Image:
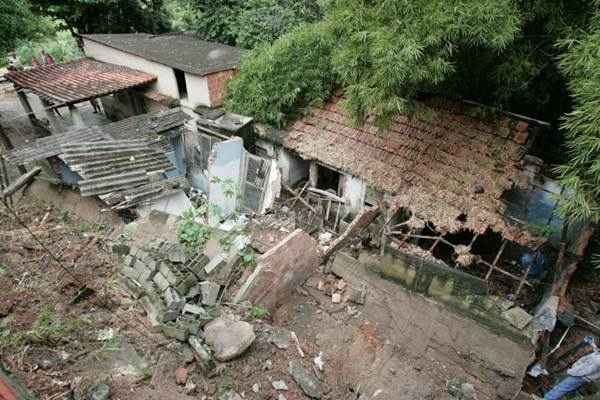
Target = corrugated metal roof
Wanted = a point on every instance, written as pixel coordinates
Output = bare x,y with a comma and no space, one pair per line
151,125
78,80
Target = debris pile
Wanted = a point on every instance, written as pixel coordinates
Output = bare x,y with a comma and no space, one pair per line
180,294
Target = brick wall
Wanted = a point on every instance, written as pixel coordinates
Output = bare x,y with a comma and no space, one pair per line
217,86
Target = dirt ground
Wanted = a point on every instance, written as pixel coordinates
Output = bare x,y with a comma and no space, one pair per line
52,314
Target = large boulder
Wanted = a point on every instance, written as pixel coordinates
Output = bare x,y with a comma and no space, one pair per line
228,338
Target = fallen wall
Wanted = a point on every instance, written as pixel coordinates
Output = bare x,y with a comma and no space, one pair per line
280,270
414,312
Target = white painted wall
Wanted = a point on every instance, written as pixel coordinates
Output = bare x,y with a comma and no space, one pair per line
197,86
354,191
293,168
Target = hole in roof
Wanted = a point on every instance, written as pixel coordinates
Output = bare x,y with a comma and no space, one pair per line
462,218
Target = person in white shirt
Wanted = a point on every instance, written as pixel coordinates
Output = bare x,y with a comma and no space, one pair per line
585,370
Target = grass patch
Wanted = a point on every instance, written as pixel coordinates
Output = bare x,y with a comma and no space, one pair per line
48,329
257,312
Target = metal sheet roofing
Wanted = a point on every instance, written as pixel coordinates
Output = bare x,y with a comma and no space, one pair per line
442,168
183,51
150,126
78,80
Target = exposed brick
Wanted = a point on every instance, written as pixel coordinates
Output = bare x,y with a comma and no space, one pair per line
217,86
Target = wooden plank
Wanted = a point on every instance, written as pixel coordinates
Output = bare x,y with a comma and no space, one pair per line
20,182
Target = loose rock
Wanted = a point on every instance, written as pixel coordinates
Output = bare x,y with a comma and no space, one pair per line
99,392
181,376
228,338
310,386
231,395
279,385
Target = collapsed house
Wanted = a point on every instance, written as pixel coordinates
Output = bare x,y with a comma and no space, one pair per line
444,201
447,178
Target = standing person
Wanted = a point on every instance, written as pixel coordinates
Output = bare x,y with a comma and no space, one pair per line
585,370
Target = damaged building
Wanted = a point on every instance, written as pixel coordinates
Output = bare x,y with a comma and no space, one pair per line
445,203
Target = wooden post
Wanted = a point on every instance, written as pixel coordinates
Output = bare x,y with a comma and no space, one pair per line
493,265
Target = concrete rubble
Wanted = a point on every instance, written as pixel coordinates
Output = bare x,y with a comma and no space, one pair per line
180,297
280,270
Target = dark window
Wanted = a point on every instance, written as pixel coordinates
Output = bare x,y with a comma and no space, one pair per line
328,179
181,86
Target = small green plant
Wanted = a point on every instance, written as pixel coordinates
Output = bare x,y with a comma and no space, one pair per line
191,234
49,328
248,257
85,227
257,312
3,269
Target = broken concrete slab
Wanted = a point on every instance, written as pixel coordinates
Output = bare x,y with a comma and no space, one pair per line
280,270
210,293
228,338
309,385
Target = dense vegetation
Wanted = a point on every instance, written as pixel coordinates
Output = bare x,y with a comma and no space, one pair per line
535,57
243,23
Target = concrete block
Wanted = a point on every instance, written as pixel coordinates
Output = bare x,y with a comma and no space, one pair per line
198,313
280,270
131,287
161,282
173,301
197,267
215,263
154,308
186,283
210,293
517,317
167,271
129,272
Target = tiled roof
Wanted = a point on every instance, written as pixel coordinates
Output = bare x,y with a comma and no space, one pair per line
183,51
148,125
447,164
78,80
